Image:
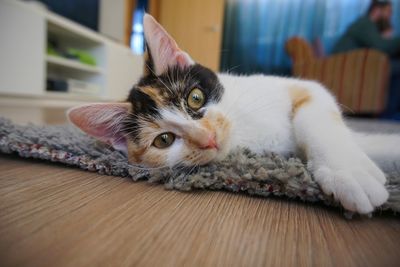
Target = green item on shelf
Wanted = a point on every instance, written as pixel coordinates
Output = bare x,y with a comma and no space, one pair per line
82,56
51,51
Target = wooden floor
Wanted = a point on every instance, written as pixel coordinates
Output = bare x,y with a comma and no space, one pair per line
53,215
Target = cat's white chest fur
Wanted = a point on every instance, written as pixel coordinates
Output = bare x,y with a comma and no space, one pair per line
259,110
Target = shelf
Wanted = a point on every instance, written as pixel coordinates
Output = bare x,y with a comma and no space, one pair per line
72,64
48,99
62,26
72,96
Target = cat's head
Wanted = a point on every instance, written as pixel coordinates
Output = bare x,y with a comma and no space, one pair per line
171,116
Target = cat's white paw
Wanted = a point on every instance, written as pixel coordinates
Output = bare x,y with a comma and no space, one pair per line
358,185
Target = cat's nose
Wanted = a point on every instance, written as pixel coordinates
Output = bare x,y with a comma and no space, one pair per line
211,143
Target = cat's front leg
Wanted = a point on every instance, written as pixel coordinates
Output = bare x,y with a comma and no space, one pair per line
339,165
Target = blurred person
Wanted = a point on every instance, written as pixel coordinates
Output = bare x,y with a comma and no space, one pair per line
374,30
385,28
365,32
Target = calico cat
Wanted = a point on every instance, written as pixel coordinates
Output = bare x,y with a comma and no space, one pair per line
182,113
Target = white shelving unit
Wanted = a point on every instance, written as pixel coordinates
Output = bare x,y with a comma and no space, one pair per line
27,28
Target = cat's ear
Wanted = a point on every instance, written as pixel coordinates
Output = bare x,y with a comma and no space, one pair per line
104,121
164,52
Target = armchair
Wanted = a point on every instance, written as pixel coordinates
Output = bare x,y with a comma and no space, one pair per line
359,79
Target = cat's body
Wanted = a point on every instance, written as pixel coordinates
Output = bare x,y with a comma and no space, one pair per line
181,113
260,110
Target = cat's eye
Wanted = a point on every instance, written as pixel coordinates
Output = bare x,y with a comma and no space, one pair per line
164,140
196,99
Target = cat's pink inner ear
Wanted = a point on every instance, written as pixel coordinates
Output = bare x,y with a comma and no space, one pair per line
103,121
163,48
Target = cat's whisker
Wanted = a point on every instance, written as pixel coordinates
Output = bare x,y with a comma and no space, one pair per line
175,171
158,78
147,168
230,69
186,75
190,172
347,108
169,79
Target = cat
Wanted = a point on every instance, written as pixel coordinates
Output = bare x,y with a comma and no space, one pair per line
182,113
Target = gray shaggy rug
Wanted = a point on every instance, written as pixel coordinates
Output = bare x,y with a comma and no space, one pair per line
242,171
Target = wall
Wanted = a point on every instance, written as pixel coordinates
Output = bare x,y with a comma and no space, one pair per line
112,19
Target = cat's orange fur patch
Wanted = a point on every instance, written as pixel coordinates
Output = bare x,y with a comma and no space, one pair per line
196,140
225,125
206,123
221,121
155,159
139,155
217,124
214,124
191,157
135,154
299,97
198,136
154,94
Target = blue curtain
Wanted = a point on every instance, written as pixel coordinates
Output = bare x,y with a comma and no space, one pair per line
255,31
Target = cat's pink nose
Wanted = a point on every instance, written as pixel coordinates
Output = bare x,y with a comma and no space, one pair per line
211,144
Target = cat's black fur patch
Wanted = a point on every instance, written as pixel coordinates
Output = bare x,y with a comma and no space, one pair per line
142,103
144,107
